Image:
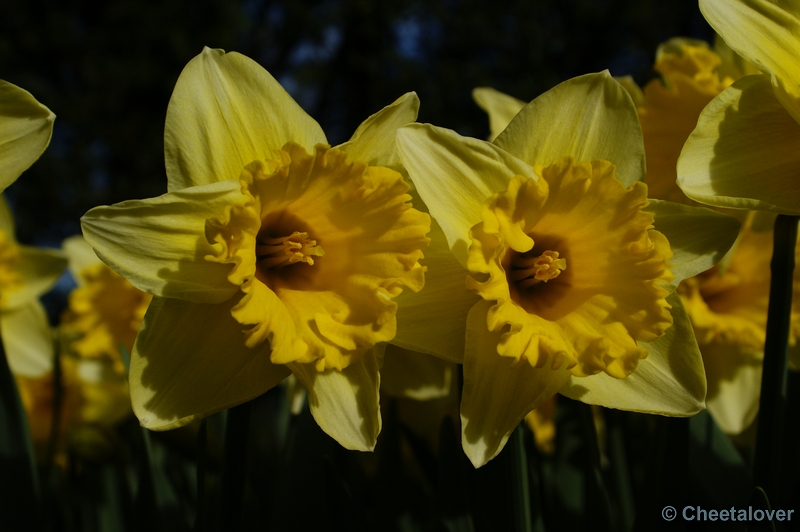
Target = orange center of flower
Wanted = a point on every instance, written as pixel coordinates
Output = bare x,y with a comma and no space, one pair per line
527,271
283,251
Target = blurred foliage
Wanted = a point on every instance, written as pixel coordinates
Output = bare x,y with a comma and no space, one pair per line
107,70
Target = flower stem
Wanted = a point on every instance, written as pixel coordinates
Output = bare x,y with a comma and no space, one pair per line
768,455
520,485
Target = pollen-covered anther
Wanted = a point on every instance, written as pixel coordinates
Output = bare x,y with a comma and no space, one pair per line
528,271
287,250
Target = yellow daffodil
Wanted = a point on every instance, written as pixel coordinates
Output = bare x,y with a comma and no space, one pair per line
105,310
745,150
25,130
271,253
25,274
93,397
569,269
728,310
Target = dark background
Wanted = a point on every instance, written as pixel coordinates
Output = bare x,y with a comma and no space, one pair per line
108,72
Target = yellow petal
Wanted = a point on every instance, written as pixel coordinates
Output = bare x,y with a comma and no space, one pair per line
587,118
767,34
39,270
227,111
500,107
633,89
178,375
27,340
25,130
418,376
498,391
698,237
745,151
433,320
345,403
80,256
159,244
454,175
373,142
6,218
670,381
734,385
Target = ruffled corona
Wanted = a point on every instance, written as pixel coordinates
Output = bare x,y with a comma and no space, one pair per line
669,111
319,250
728,307
104,313
574,267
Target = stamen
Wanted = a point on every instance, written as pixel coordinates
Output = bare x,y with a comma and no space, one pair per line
530,271
287,250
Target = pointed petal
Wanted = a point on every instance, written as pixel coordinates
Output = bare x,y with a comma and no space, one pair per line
25,130
27,340
498,391
345,403
39,270
698,237
745,151
80,256
190,361
159,244
434,319
454,175
415,375
500,107
767,33
670,381
227,111
734,385
587,118
373,142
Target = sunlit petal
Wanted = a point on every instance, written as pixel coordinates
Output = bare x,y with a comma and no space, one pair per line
227,111
25,130
745,151
498,391
500,107
670,381
587,118
373,142
159,244
345,403
454,175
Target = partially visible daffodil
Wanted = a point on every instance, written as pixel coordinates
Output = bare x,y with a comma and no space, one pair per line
105,311
93,396
745,150
25,130
26,273
569,269
728,309
271,253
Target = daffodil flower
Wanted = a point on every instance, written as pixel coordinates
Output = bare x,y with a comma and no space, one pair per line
105,311
26,273
271,253
728,310
569,269
25,130
745,151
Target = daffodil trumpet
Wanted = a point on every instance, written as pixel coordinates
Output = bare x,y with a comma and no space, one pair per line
569,268
272,253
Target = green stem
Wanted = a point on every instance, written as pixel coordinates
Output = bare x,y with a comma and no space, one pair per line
768,456
519,476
